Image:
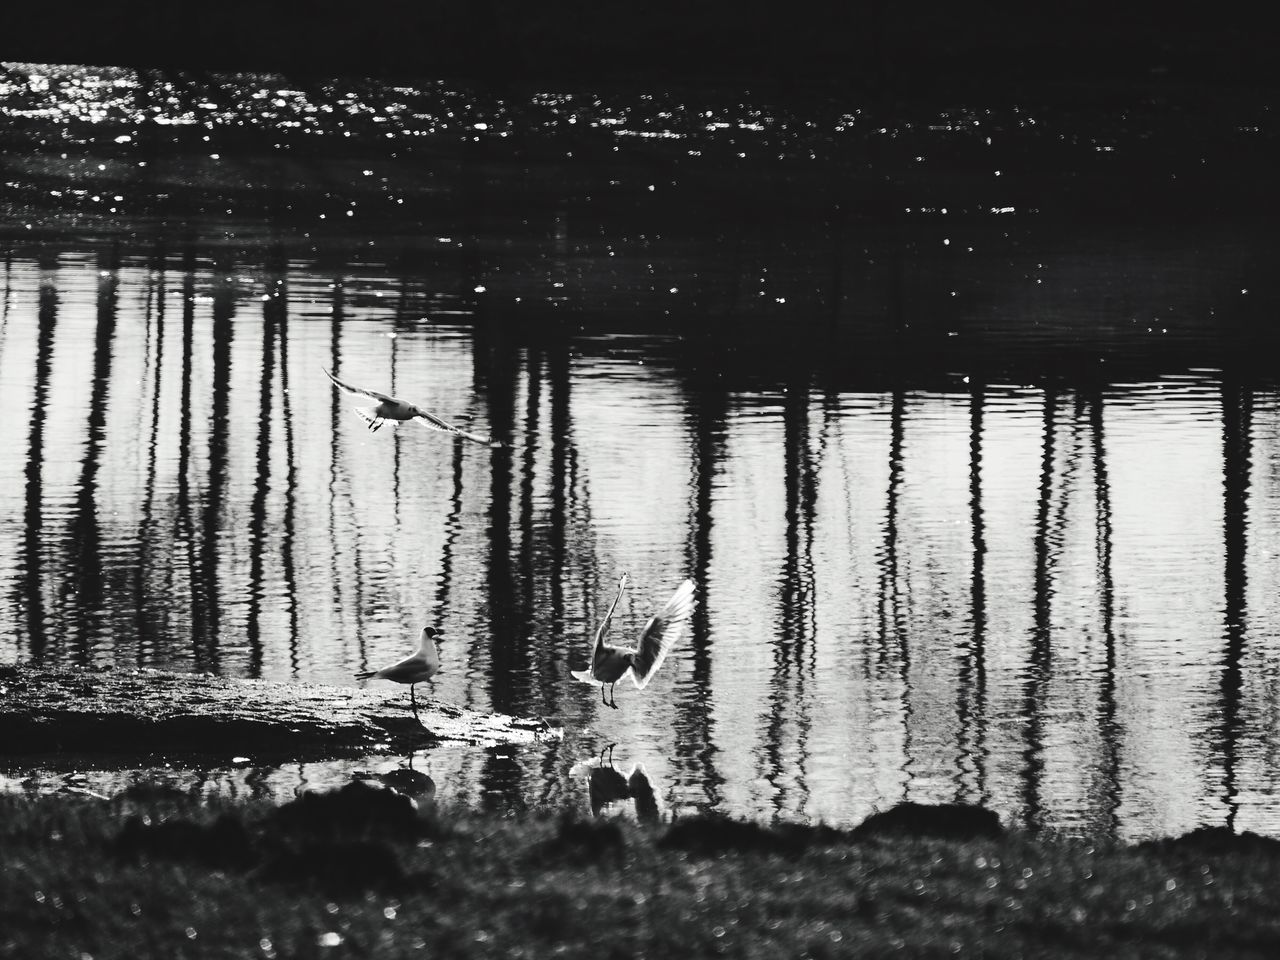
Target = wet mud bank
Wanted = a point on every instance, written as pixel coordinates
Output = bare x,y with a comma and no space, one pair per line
44,710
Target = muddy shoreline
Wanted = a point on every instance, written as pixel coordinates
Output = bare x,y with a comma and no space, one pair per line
46,709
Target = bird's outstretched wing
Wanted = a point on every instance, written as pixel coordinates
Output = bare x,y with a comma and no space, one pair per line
588,675
608,617
432,422
359,391
661,633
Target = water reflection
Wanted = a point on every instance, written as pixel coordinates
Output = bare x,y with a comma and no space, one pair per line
1051,599
611,791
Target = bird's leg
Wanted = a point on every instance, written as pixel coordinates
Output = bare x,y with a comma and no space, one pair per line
413,702
603,699
612,702
375,424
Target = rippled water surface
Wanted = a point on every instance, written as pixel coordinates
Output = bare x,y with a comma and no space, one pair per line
980,508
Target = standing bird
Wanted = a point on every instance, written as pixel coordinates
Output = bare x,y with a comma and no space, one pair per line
609,663
390,408
422,664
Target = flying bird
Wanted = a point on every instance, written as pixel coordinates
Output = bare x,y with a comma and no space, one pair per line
609,663
391,408
421,665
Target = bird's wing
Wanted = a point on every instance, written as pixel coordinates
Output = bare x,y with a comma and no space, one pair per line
661,633
436,423
589,675
608,618
410,665
374,394
370,416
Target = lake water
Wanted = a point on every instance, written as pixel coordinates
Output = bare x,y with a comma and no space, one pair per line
981,496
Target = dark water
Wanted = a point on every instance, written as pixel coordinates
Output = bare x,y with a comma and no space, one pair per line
981,500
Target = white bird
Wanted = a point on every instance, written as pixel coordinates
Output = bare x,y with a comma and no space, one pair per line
421,665
609,663
391,408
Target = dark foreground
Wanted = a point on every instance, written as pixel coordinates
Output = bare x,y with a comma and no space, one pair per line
369,871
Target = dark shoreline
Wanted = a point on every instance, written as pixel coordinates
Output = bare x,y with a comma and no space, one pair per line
90,711
366,870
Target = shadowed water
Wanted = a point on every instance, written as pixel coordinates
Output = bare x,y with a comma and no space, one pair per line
976,513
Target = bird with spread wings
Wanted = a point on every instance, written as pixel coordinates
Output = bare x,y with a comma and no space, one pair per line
609,663
396,410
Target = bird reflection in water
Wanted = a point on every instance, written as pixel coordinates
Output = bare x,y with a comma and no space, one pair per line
608,790
404,779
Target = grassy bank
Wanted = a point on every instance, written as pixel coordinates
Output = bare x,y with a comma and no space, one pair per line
365,872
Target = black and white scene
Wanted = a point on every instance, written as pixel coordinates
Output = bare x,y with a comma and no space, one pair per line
668,480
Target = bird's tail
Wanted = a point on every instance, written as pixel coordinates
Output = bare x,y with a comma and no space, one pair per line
364,674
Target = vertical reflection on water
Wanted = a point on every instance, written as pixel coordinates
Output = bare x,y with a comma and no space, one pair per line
210,619
31,597
289,520
496,370
788,698
562,466
563,461
153,373
186,532
1067,562
452,530
1040,661
1237,441
397,450
272,305
1110,729
85,528
695,750
339,485
893,650
542,651
972,681
528,463
497,373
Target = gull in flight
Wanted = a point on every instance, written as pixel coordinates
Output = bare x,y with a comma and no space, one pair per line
391,408
422,664
609,663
